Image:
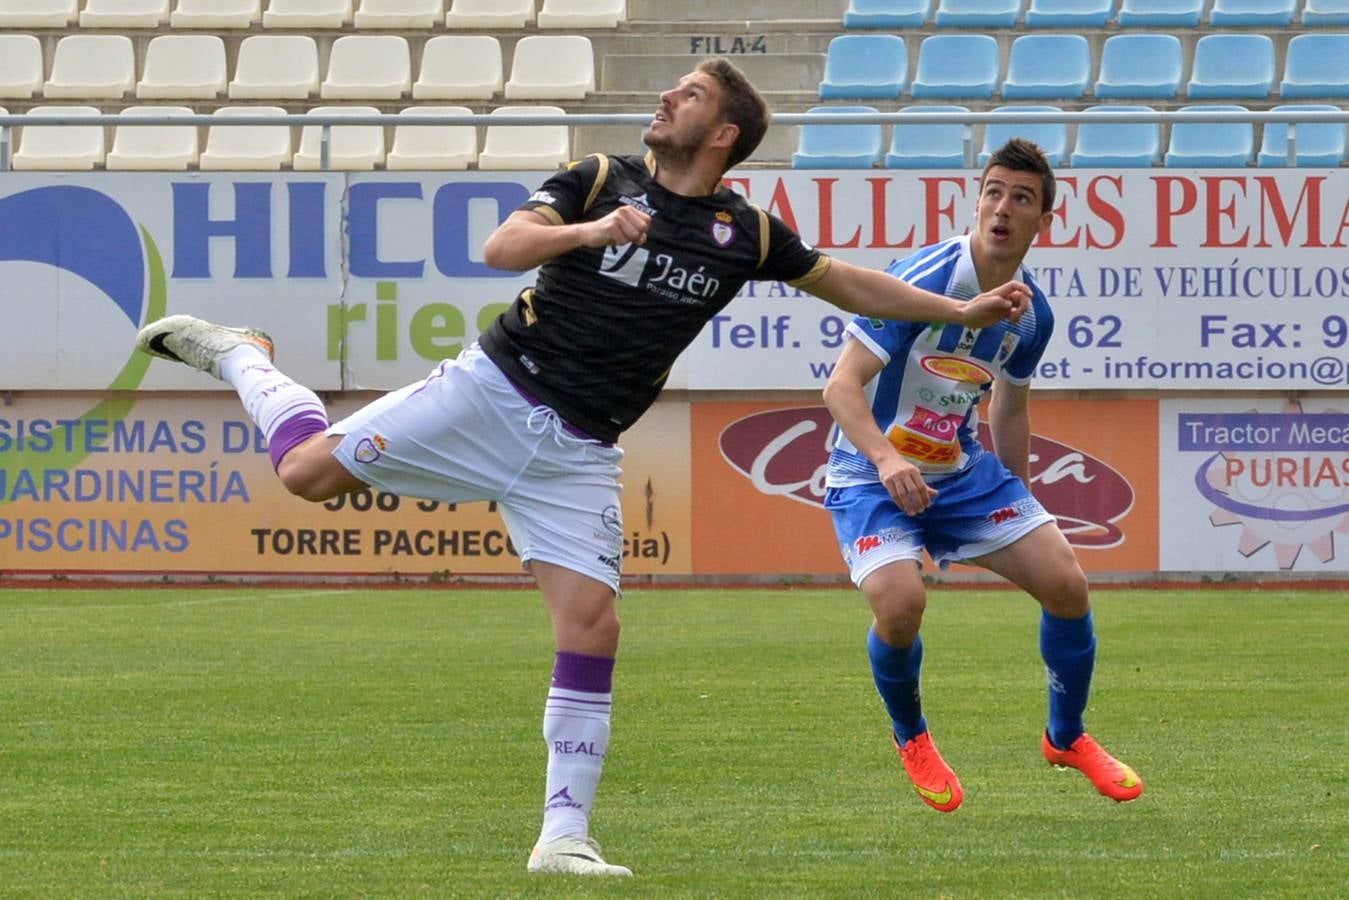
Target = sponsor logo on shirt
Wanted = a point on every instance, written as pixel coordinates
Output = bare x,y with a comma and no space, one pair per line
957,369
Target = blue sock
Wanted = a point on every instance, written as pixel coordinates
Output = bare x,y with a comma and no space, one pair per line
1068,647
896,673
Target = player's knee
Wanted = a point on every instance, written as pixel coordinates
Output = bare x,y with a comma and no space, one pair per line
1067,595
304,481
898,618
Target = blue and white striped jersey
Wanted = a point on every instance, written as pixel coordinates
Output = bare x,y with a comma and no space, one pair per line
926,399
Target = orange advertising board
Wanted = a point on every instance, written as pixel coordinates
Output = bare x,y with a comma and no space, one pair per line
759,485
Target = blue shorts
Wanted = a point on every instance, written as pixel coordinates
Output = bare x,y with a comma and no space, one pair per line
982,509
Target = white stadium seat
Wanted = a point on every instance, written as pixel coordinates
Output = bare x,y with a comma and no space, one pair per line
433,146
307,14
247,147
459,67
552,67
20,65
69,147
183,66
489,13
160,147
525,146
583,13
350,147
276,67
216,14
92,65
38,13
400,13
368,66
124,13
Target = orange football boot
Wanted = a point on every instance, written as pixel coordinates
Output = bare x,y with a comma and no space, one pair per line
1111,777
932,778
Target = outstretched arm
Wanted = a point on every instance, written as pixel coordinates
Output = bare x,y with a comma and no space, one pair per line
1009,426
845,395
869,292
528,239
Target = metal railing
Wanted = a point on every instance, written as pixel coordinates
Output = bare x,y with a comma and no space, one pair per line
326,121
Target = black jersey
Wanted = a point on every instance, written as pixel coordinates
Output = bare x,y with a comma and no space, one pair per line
597,334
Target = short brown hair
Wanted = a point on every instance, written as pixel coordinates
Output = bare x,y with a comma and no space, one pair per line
741,105
1021,155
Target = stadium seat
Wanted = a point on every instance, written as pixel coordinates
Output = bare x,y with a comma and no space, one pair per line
525,146
1325,12
1314,143
183,66
977,13
216,14
276,66
368,67
489,14
38,13
351,148
1043,66
1232,65
829,146
887,13
865,66
92,65
1104,145
307,14
1159,13
57,147
1052,137
552,67
124,13
927,146
1252,13
1316,65
1140,65
158,147
433,146
1211,144
1069,13
582,13
956,66
459,67
20,65
247,147
400,13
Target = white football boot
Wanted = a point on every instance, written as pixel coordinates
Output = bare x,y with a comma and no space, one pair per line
198,343
571,855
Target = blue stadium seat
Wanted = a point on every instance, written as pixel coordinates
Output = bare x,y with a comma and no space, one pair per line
1044,66
1314,143
865,65
1232,65
1252,13
1316,65
826,146
1069,13
1211,144
957,66
887,13
1140,65
1325,12
927,146
1102,145
1051,136
1159,13
977,13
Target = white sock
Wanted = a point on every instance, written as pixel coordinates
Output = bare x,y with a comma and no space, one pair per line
576,727
287,412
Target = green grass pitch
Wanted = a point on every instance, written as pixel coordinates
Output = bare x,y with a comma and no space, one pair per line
244,741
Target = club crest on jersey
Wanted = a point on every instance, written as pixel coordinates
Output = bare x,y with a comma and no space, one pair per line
723,232
640,202
369,449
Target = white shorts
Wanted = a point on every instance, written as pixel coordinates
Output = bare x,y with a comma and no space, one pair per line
466,433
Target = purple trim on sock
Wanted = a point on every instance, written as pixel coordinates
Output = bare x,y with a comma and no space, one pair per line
294,431
578,672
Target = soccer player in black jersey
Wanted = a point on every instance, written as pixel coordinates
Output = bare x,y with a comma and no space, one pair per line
635,255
